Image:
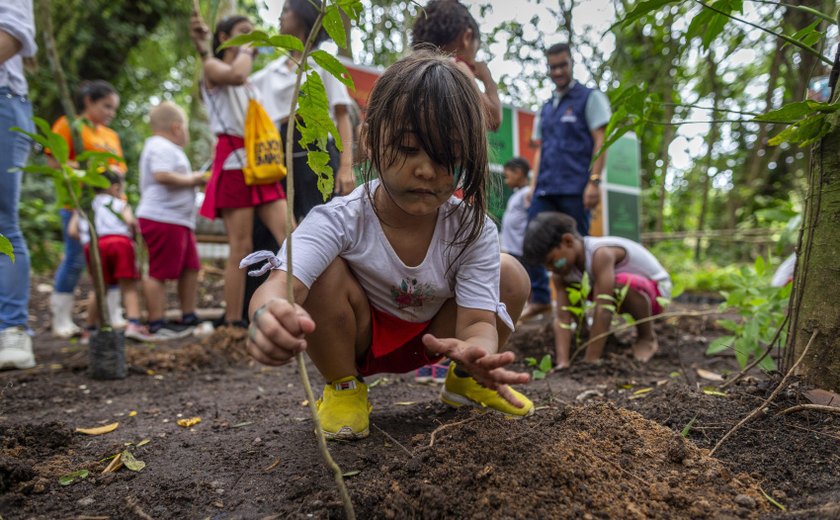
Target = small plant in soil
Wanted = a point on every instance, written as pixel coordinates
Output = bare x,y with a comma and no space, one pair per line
761,309
541,368
581,305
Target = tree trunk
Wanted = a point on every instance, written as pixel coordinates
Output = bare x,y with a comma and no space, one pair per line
666,162
711,140
814,301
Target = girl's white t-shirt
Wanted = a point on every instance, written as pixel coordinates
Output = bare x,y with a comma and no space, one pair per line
107,217
637,260
348,227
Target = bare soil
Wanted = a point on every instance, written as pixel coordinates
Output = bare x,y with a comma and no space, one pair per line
619,440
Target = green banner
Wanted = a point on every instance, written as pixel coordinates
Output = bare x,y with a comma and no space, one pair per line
623,215
623,162
501,141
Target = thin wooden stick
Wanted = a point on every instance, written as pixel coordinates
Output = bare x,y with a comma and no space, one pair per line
814,407
395,441
447,425
759,359
767,401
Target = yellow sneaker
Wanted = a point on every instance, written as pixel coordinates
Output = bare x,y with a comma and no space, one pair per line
344,410
460,391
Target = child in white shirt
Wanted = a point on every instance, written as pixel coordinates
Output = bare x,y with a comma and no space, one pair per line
552,240
166,215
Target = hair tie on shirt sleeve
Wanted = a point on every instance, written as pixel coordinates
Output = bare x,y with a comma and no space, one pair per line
272,262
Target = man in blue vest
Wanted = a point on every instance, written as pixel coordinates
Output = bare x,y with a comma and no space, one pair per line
569,130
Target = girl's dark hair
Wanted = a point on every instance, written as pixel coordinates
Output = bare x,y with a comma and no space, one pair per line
426,95
307,13
518,163
440,23
544,233
225,26
93,90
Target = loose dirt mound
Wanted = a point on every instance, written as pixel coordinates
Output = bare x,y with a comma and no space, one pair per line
596,461
225,347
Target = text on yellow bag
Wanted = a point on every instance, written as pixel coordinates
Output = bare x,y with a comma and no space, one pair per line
263,147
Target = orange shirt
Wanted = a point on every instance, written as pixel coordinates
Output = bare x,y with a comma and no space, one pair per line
99,139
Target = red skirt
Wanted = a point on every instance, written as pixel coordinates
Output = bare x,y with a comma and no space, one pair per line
227,188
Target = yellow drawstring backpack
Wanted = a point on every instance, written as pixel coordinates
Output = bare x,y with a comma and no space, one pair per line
263,147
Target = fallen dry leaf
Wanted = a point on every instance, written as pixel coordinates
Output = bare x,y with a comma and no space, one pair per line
405,403
709,375
272,466
100,430
823,397
187,423
116,463
132,413
710,390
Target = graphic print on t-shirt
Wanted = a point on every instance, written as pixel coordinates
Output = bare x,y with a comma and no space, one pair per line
410,293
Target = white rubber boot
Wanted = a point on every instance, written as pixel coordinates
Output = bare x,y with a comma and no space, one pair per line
62,319
115,310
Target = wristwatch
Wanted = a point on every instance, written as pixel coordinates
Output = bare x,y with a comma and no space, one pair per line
595,179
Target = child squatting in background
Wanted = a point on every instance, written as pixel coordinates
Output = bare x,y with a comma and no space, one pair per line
115,225
399,273
552,240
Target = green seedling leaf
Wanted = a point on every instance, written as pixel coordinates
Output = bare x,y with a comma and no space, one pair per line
710,390
254,37
335,26
628,318
131,463
532,362
772,501
687,429
66,480
674,374
6,247
663,302
286,42
351,473
545,363
330,64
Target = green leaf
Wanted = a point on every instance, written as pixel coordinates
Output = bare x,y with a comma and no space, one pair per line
66,480
538,374
687,429
532,362
719,345
335,26
790,112
808,35
319,162
760,266
131,463
585,288
545,363
330,64
286,42
643,9
730,325
352,8
96,180
314,110
6,247
254,37
772,501
628,318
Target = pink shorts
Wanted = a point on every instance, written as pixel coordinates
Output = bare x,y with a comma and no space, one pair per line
227,189
118,261
642,285
172,249
396,347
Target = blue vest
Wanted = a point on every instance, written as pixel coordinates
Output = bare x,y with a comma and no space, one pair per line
566,145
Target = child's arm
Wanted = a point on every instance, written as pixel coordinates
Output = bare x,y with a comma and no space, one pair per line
490,97
128,218
73,226
278,326
345,180
475,349
218,72
179,179
603,274
562,322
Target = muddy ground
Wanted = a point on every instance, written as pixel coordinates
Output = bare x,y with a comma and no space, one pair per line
606,441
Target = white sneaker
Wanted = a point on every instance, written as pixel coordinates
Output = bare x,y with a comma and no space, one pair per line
16,349
62,320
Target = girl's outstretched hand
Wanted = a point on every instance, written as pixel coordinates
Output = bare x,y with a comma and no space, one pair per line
487,369
277,331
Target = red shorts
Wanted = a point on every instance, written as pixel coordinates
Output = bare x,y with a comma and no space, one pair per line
642,285
118,261
227,189
172,249
396,347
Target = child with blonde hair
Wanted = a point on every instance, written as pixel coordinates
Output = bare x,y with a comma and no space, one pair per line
166,215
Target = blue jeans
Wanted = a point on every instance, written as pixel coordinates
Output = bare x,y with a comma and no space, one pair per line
73,263
571,205
14,150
